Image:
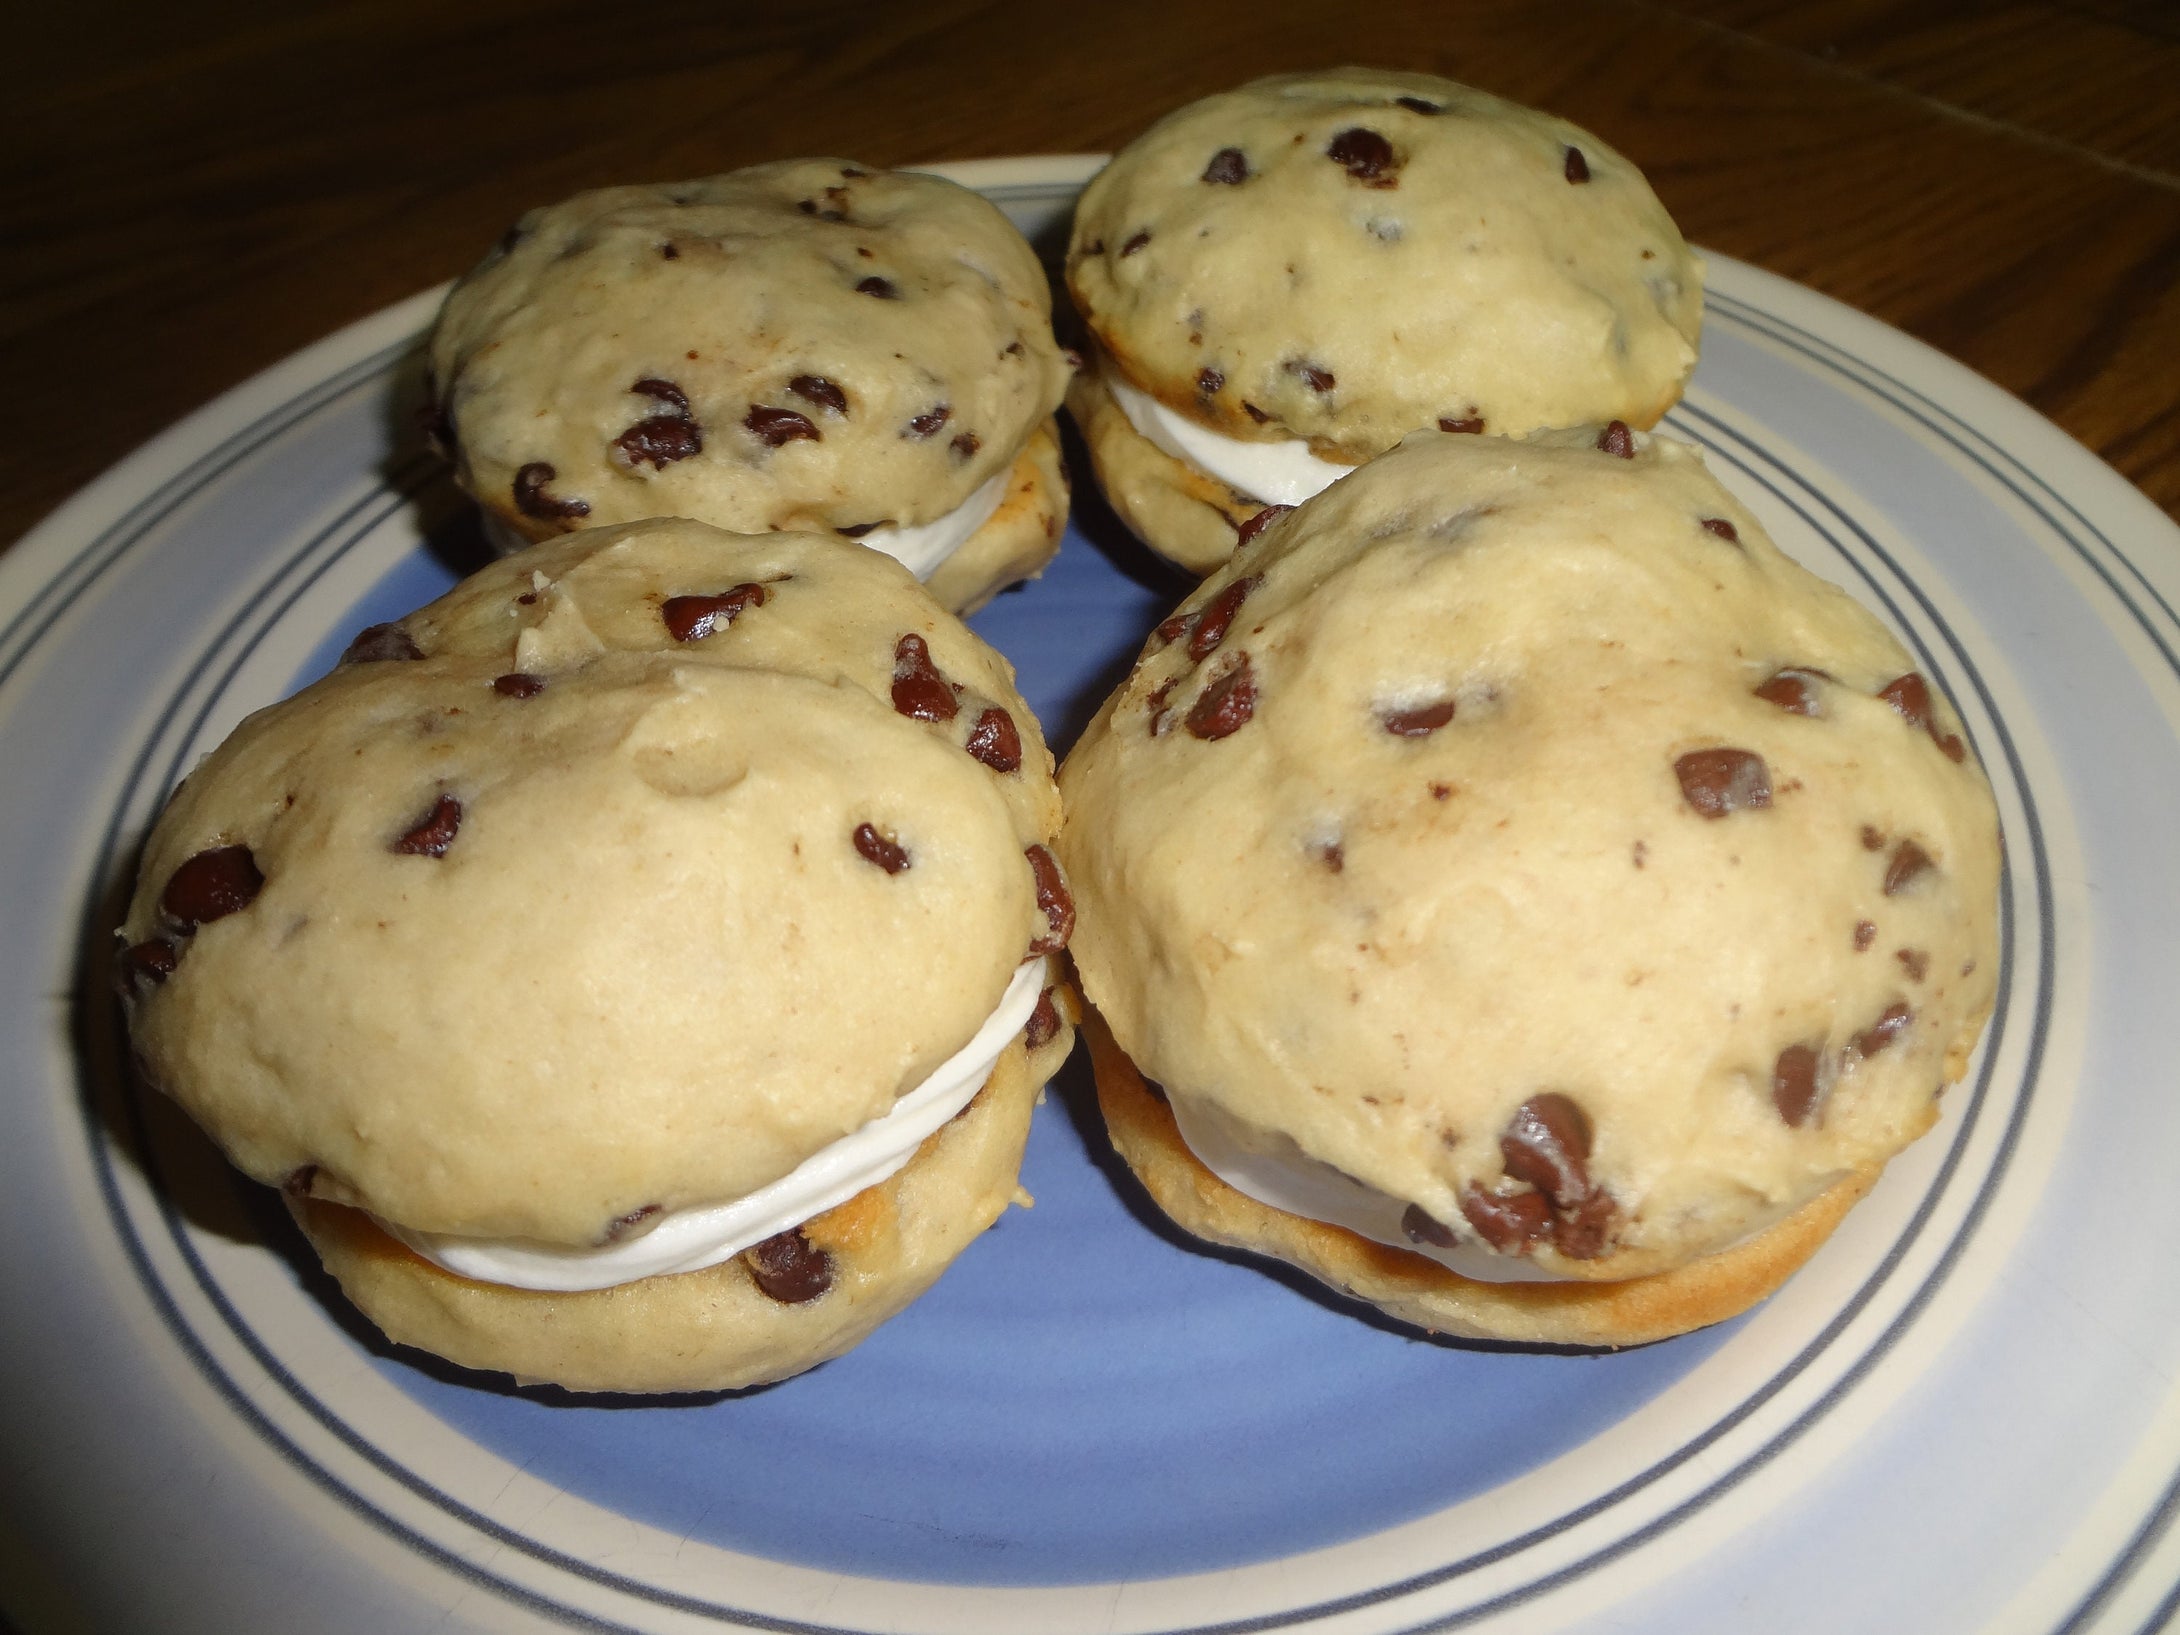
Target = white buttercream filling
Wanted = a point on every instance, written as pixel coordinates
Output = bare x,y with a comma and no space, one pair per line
1282,473
922,547
1271,1169
688,1240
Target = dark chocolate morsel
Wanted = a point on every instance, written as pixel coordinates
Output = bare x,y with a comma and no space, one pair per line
1043,1023
1210,382
1416,105
142,966
1718,781
1883,1031
1511,1223
1422,1227
1320,379
664,391
1226,705
1908,861
1721,527
929,421
1576,168
622,1226
1616,439
211,885
789,1268
1865,934
1258,523
1054,900
820,391
918,688
378,643
692,618
1792,690
1794,1084
1217,615
1136,242
775,427
1461,423
1584,1231
661,439
1547,1144
518,684
434,832
965,444
1228,166
1419,722
1365,155
876,848
996,741
883,289
531,499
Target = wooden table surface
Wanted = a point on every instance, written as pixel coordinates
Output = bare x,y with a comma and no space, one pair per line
196,191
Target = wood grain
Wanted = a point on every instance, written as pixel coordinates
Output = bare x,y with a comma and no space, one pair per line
193,192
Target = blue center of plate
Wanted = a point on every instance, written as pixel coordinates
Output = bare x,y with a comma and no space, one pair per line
1087,1395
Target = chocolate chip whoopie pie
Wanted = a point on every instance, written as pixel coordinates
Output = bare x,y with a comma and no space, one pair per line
1286,279
632,966
1516,893
811,344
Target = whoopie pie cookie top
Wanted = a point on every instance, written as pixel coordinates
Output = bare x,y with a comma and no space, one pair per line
634,870
1516,830
1346,257
808,344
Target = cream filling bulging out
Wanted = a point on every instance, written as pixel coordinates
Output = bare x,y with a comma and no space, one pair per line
923,546
688,1240
1282,473
1273,1170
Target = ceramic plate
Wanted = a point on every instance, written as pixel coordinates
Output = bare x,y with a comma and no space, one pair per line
1963,1415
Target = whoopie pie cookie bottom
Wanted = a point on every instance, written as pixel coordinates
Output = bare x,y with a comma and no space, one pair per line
1185,515
759,1316
1418,1290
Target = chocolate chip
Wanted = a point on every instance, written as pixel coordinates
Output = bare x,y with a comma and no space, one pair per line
1258,523
1584,1231
532,500
666,392
996,741
380,643
1547,1144
1618,440
1210,382
434,832
298,1182
669,252
1794,1084
692,618
1043,1023
827,212
1054,900
919,690
1883,1031
1332,854
1792,690
1212,622
1914,962
1365,155
965,444
622,1225
213,884
1416,105
817,389
1420,1227
1136,242
1908,861
788,1268
661,439
774,427
1465,423
1577,168
1320,380
1419,722
1872,839
883,289
1155,704
1910,695
518,684
1255,413
1865,934
1225,706
142,966
1511,1223
929,421
876,848
1718,781
1228,167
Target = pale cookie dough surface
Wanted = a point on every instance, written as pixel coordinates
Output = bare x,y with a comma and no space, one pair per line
718,1328
802,345
1407,819
554,916
1315,256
